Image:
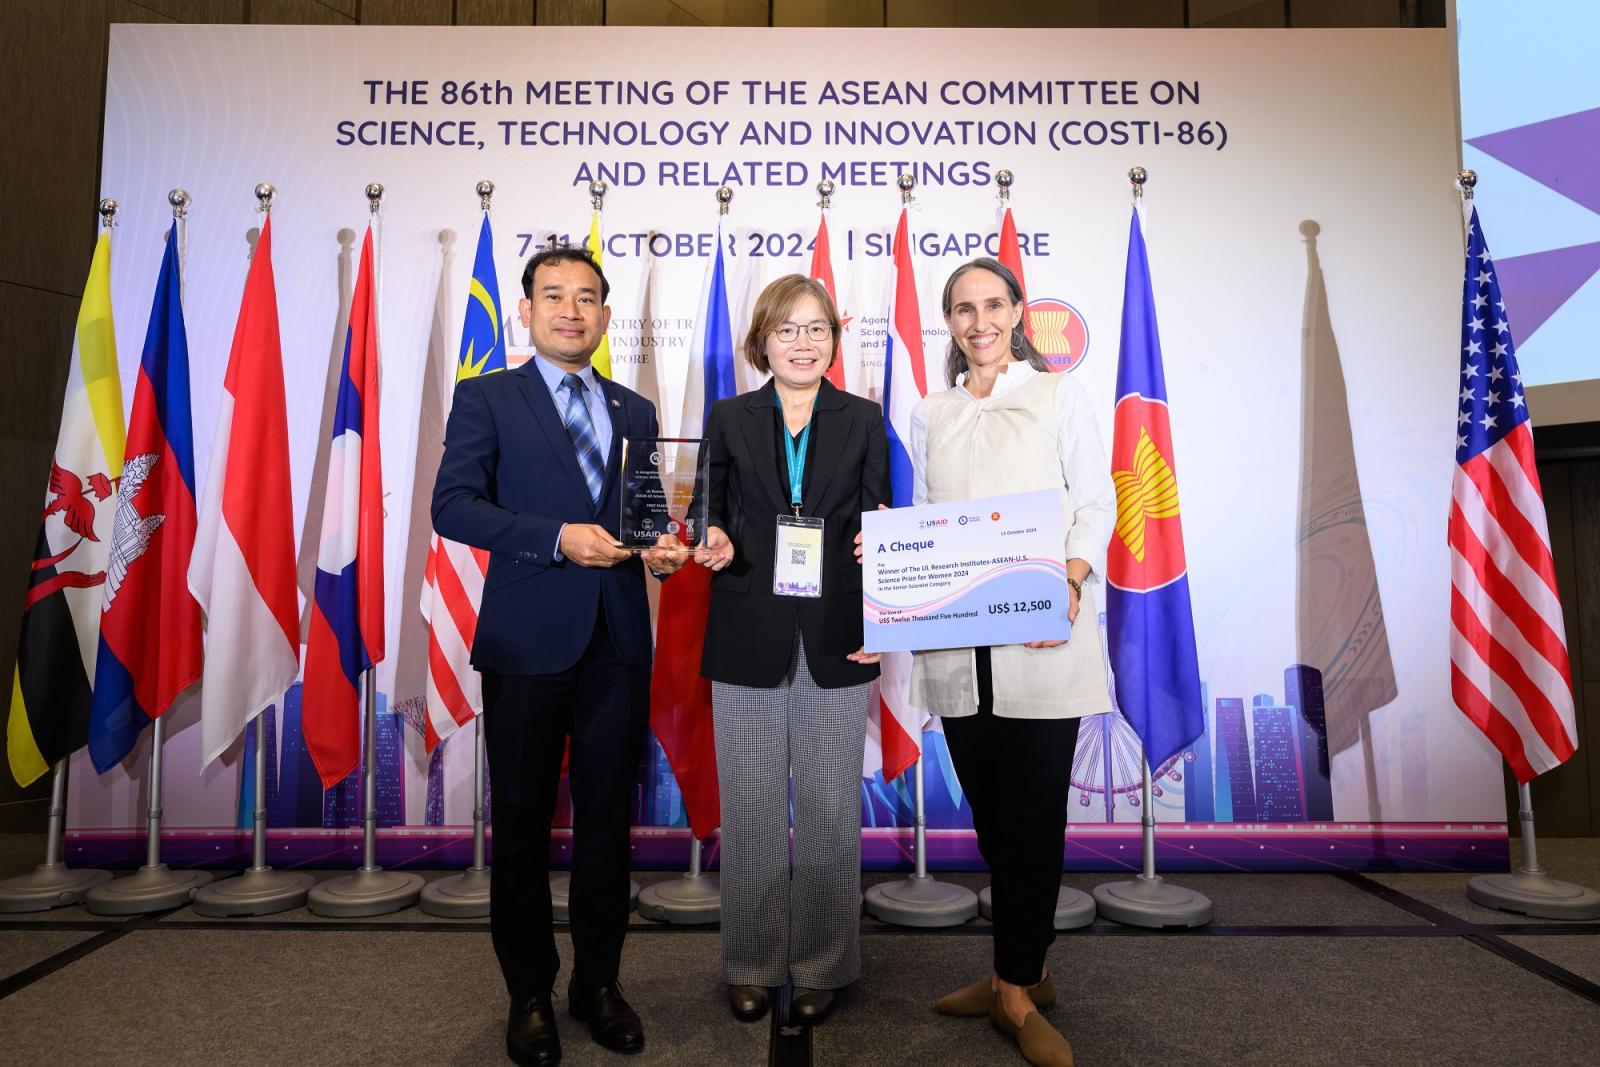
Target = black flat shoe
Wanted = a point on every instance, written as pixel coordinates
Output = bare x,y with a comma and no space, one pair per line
811,1006
613,1023
749,1002
531,1039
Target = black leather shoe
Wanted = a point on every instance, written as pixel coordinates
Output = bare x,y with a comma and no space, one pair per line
811,1006
613,1023
531,1039
749,1002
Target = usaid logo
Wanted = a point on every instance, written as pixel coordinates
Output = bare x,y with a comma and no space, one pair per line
1059,333
923,524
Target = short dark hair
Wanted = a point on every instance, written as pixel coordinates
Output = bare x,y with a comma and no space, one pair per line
776,301
564,254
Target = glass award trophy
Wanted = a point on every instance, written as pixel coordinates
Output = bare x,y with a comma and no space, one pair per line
663,491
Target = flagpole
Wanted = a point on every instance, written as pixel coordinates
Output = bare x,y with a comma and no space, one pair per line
371,890
1148,900
466,895
51,884
154,886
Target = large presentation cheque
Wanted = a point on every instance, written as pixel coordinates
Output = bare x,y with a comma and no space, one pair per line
970,572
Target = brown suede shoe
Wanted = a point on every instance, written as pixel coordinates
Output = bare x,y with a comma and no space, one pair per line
1041,1044
976,999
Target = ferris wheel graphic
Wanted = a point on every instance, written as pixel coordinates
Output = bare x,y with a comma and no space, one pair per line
1108,766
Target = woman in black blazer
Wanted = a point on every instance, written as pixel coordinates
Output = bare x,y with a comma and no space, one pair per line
792,467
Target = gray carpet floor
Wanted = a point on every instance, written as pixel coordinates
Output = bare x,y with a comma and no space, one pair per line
1295,969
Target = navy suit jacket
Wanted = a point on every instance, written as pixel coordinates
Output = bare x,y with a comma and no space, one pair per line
508,481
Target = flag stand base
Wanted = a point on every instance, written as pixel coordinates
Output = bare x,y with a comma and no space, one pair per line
694,899
921,900
460,896
255,892
1074,908
151,888
561,892
369,891
49,885
1150,901
1534,893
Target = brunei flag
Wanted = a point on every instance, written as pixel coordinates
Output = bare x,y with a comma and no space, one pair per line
1149,623
51,691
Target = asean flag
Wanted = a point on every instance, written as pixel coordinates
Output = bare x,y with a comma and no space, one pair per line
1149,622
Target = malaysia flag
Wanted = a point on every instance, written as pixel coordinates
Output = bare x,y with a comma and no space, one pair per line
1149,623
905,383
346,635
150,646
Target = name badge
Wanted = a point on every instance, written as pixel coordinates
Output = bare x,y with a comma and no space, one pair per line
797,565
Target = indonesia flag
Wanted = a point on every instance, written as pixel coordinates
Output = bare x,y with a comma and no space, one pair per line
347,615
150,644
904,385
822,271
680,699
243,572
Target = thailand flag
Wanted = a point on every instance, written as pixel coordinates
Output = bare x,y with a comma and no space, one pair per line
1149,624
905,383
347,603
243,573
150,644
680,699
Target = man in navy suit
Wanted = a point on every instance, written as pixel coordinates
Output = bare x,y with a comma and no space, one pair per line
530,473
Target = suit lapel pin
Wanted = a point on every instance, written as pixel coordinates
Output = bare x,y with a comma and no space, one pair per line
616,403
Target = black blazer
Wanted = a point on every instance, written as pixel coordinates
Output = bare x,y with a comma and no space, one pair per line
750,631
508,481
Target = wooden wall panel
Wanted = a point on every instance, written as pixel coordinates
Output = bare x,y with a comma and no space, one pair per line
302,12
225,12
494,12
1322,14
1237,14
1145,14
921,13
828,12
406,12
570,12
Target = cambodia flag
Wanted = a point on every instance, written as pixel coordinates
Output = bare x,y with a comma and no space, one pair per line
150,645
822,271
346,635
1149,624
905,383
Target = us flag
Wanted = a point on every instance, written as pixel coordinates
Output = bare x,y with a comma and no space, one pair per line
1509,671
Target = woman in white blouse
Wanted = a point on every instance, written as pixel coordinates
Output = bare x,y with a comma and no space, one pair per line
1010,713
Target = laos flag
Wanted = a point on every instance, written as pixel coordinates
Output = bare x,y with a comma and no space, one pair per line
1149,625
346,633
150,643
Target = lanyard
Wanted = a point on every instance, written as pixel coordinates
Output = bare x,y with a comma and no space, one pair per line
795,452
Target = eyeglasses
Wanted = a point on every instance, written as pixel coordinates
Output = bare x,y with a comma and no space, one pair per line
817,331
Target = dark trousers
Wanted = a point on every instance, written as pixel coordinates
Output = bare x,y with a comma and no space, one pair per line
1016,774
604,706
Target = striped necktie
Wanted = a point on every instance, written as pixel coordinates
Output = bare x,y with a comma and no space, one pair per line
580,427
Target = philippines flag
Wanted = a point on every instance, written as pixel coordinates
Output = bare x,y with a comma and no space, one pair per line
243,573
680,699
1509,669
347,615
150,644
905,383
453,582
1149,624
822,271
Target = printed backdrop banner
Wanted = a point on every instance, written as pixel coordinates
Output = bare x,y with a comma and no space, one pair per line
1305,248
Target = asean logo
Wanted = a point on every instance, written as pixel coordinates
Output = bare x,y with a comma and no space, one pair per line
1147,548
1059,333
